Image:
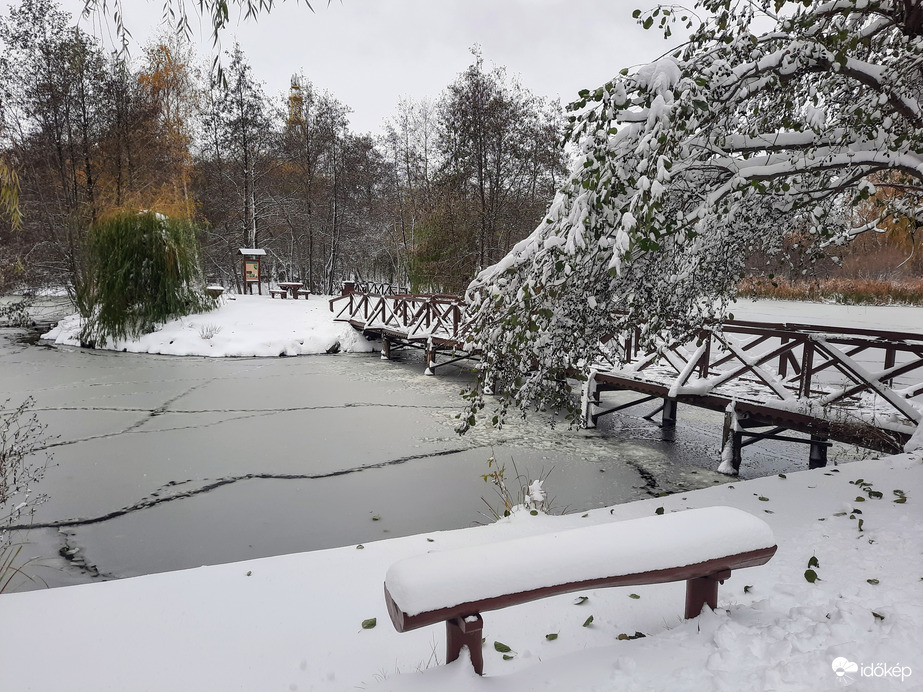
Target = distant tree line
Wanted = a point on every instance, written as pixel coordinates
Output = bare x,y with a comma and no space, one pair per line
453,184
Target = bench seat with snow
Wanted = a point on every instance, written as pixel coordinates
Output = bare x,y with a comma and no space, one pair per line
281,293
700,546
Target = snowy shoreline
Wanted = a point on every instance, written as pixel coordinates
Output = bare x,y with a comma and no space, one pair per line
241,326
293,622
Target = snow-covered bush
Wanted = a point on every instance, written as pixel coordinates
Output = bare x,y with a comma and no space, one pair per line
525,496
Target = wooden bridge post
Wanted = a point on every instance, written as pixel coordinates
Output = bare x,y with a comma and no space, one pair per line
668,420
590,399
807,369
430,353
705,360
783,359
385,348
817,458
735,437
890,359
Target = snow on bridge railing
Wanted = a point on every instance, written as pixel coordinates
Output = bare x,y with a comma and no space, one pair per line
825,372
411,315
830,373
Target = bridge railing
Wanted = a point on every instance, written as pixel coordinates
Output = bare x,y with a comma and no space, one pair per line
818,371
412,315
874,372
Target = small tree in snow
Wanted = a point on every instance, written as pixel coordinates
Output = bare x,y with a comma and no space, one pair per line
22,437
687,165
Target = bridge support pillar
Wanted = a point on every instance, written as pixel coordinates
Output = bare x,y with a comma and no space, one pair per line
430,353
817,458
385,348
590,400
668,420
731,443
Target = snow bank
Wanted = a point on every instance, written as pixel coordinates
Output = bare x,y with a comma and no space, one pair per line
242,325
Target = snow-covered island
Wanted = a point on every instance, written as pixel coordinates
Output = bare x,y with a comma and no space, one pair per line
242,325
844,588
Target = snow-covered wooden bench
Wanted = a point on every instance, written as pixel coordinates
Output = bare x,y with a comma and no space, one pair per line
700,546
281,293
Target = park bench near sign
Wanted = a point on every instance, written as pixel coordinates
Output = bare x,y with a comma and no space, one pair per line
699,546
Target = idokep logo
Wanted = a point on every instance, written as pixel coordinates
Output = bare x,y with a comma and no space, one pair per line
841,666
846,670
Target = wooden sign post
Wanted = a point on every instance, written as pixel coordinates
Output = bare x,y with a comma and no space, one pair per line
252,274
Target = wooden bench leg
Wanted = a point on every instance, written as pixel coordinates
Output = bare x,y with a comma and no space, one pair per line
703,591
462,632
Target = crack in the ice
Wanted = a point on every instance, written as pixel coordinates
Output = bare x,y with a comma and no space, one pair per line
650,480
153,500
276,409
252,413
160,410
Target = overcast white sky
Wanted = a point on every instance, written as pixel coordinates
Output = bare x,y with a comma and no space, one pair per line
369,53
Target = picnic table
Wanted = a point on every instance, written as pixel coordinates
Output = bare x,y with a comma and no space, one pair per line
292,287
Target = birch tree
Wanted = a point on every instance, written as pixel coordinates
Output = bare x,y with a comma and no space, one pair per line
688,164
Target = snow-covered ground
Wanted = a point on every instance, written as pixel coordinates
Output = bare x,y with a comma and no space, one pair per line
295,622
897,318
242,325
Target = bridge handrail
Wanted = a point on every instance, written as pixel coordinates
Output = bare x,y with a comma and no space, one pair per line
418,313
787,372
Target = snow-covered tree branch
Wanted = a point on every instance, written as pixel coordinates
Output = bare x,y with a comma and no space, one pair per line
688,165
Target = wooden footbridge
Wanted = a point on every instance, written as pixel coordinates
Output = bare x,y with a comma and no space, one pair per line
431,322
772,381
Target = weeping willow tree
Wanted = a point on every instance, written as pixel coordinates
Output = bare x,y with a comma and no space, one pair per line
142,270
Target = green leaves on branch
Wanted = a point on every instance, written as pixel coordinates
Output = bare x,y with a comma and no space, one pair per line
721,153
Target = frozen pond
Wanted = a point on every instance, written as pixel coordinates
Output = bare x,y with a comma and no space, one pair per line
164,463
